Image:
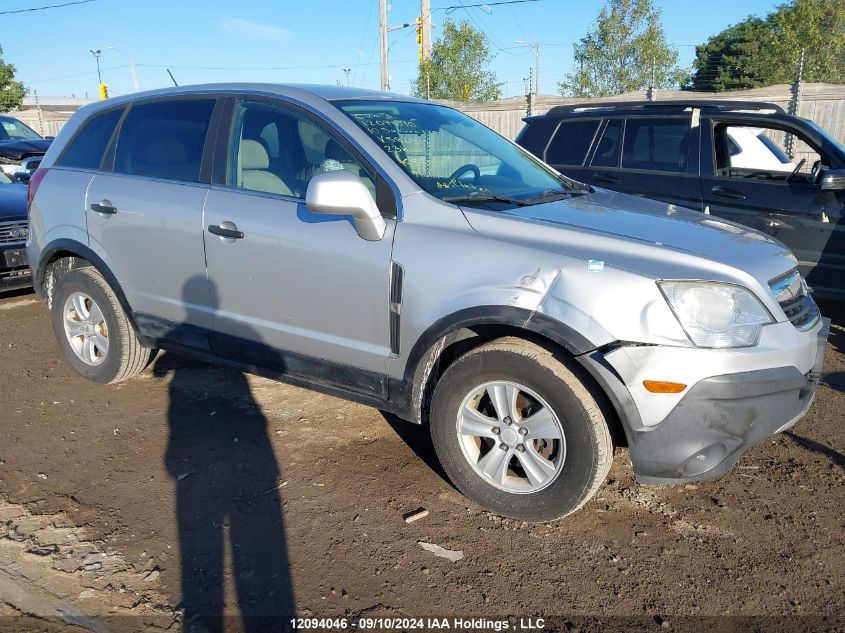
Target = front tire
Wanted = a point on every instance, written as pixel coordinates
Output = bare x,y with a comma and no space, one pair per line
93,331
519,432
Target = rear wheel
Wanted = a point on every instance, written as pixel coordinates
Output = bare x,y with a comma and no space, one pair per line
92,329
519,432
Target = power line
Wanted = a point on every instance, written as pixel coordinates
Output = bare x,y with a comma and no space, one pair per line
51,6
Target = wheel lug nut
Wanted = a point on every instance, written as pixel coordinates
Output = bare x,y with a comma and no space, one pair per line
503,446
496,430
523,431
507,421
520,448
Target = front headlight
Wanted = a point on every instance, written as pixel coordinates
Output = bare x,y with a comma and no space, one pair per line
716,314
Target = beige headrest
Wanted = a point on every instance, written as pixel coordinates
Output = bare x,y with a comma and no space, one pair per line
253,155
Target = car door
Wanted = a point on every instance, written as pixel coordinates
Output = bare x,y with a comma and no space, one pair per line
755,183
294,291
145,216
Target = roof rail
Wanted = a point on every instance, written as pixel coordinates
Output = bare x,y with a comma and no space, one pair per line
711,104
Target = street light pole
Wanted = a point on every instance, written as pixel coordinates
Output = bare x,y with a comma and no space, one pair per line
382,26
347,71
96,53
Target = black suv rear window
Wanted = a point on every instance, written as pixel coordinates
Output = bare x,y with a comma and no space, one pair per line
658,145
570,144
164,139
86,149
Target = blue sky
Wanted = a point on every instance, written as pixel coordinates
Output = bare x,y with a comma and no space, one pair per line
302,41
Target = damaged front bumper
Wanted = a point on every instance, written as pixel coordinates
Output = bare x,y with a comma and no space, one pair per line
718,419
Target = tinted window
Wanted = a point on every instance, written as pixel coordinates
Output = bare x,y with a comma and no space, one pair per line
535,135
164,139
571,143
660,145
607,152
87,147
278,151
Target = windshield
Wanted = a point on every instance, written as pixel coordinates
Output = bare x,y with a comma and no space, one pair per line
5,180
452,156
14,130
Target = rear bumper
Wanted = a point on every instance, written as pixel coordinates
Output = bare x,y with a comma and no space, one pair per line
717,420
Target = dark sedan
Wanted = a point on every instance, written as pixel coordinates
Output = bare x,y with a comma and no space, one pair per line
14,267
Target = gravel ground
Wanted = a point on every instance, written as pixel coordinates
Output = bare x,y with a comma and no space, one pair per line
195,490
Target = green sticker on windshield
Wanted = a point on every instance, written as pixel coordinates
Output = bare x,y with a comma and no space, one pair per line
595,265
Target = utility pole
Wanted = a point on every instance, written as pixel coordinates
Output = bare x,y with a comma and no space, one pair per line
382,25
131,66
650,91
425,15
535,48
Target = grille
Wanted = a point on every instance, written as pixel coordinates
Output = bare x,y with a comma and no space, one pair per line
794,298
13,232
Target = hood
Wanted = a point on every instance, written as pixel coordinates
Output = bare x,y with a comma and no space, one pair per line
12,201
16,150
662,228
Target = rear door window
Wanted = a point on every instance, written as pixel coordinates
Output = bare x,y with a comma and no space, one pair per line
607,151
86,149
571,142
164,139
656,144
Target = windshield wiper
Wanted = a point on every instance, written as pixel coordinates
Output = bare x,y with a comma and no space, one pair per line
556,194
481,196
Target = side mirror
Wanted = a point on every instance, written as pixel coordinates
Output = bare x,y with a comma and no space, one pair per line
22,176
833,180
342,193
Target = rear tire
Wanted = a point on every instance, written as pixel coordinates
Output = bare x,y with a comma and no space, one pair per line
546,456
93,331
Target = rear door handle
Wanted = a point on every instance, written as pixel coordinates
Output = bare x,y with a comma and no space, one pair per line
724,192
103,207
227,230
604,178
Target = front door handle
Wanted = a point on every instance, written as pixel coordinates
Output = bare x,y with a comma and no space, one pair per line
724,192
604,178
104,207
226,230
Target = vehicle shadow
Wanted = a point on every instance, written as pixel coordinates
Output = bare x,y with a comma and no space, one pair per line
228,499
811,445
418,439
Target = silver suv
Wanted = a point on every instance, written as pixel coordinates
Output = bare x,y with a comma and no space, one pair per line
398,253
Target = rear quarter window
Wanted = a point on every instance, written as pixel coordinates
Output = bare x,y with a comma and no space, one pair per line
85,150
571,142
164,139
536,134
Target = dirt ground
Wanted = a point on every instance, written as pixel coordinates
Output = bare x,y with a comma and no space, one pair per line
195,491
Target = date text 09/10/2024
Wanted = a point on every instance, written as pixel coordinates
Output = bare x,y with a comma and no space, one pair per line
422,624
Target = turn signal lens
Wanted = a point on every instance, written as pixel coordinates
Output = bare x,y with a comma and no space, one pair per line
661,386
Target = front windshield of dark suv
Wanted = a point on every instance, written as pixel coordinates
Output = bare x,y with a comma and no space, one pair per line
454,157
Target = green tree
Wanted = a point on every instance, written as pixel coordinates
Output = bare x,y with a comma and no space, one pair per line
458,68
622,52
762,52
11,91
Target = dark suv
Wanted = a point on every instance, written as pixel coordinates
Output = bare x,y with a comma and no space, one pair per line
745,161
